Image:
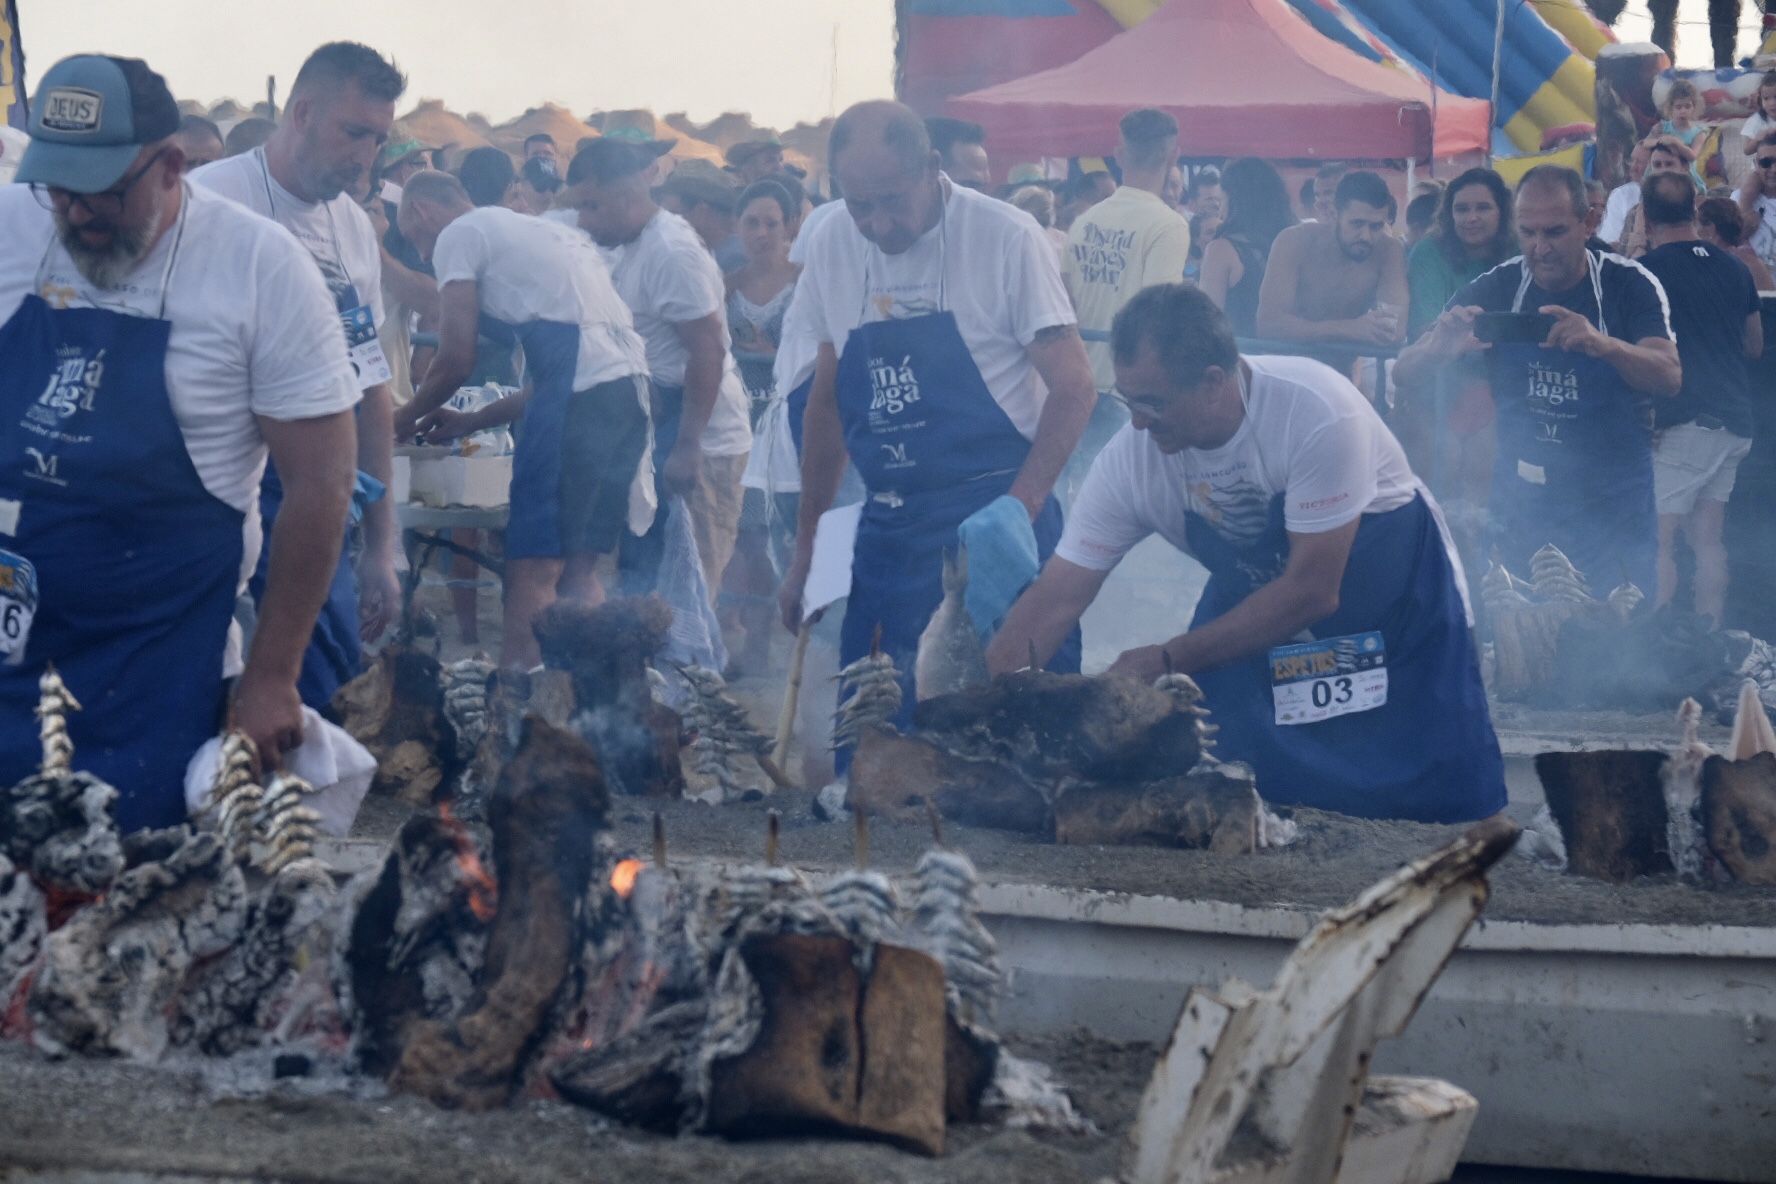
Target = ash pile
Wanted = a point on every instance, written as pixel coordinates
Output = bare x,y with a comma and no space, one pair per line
1555,641
485,962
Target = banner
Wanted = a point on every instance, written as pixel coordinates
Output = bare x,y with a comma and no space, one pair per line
12,67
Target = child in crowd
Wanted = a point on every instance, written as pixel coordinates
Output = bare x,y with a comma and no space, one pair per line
1683,103
1763,120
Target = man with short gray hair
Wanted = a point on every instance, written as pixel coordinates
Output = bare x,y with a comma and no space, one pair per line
949,372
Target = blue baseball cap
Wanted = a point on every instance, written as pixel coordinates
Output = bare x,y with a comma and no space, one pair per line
90,117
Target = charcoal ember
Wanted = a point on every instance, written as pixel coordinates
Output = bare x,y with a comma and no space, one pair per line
110,976
24,923
895,775
233,1002
1214,807
546,812
414,944
835,1048
1739,815
1611,809
638,1078
1061,726
1646,664
59,825
396,710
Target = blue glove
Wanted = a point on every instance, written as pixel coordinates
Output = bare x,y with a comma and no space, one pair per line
1002,561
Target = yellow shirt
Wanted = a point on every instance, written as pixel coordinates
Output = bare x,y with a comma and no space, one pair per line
1129,241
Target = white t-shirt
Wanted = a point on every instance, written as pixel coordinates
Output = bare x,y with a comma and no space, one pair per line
1129,241
527,270
667,277
1762,239
254,332
1308,434
985,261
337,234
1622,200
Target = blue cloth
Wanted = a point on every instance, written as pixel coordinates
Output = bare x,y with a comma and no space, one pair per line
551,354
136,560
334,654
1429,753
1002,560
639,559
934,448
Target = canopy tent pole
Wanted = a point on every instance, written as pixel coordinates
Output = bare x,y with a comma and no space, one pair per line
1498,58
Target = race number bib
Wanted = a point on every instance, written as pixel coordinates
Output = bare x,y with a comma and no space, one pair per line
18,604
369,364
1315,680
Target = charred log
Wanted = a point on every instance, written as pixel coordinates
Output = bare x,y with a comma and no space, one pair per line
836,1050
1739,815
1611,810
1213,808
638,1078
545,812
896,775
396,710
1054,726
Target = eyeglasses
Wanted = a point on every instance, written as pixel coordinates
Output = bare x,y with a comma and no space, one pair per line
1766,162
106,204
1151,406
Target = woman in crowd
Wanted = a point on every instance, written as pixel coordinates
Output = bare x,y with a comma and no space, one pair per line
1473,234
1720,223
759,292
1257,210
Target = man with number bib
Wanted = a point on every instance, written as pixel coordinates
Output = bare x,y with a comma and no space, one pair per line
1574,465
156,341
341,108
950,371
1333,642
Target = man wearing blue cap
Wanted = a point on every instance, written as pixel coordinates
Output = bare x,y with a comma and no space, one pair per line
156,342
305,179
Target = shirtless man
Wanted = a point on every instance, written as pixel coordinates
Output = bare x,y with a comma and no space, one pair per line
1338,281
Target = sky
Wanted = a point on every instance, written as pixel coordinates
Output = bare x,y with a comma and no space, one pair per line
783,60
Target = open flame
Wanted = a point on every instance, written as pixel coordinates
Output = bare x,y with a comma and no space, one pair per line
483,888
623,877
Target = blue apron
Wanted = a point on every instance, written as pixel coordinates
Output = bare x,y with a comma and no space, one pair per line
1575,460
932,446
137,563
551,355
1429,752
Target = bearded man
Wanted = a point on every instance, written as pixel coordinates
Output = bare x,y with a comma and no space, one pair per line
157,343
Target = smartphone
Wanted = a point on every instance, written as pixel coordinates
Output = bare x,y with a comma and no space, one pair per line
1513,327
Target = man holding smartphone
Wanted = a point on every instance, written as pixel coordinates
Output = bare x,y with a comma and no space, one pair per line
1574,465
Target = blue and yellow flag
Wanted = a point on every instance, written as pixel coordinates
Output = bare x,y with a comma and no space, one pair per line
12,67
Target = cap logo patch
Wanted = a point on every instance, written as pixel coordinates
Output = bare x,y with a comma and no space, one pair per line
69,109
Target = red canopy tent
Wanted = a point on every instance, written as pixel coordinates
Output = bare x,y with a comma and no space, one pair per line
1243,78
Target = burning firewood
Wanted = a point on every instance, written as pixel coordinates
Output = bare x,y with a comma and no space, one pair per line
607,650
1611,809
396,710
184,901
1214,807
1738,803
549,804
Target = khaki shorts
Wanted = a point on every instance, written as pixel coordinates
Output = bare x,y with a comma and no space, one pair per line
1693,463
715,514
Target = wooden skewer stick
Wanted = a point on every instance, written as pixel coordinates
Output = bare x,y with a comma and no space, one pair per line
1034,664
860,839
773,834
659,841
935,818
792,694
774,772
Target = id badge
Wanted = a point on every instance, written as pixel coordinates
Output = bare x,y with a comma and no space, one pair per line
18,605
369,364
1315,680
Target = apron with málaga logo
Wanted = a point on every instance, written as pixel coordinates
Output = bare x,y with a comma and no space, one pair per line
1575,464
932,446
136,561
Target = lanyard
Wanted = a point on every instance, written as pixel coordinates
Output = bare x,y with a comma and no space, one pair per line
1594,267
166,275
943,258
332,226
